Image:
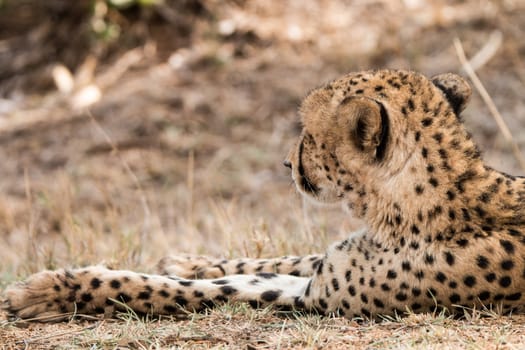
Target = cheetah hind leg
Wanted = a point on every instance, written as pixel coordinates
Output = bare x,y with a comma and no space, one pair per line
202,267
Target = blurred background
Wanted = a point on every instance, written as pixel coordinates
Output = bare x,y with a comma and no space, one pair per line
130,129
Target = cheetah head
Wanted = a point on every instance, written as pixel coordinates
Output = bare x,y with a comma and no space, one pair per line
364,133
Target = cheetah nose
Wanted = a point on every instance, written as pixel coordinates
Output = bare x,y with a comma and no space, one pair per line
287,164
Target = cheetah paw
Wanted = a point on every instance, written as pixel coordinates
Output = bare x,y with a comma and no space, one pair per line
190,266
41,296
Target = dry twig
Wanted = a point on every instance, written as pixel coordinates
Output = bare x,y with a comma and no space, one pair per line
489,102
27,342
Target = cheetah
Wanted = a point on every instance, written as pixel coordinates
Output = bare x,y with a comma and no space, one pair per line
442,231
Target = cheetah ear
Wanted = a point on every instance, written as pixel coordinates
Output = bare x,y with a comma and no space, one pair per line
368,123
456,90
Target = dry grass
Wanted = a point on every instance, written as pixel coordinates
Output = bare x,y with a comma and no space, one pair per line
240,327
185,156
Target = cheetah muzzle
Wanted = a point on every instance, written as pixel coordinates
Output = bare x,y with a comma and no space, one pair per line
442,230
